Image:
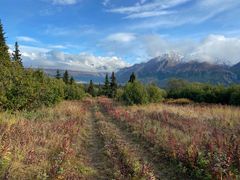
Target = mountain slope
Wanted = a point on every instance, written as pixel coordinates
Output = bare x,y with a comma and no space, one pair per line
161,69
80,76
236,69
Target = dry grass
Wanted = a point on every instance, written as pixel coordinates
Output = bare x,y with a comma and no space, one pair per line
204,140
98,139
46,144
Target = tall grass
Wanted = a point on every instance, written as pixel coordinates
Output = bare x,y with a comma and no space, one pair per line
203,140
42,144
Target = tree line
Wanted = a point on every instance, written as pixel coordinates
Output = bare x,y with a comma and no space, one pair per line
204,93
22,88
133,92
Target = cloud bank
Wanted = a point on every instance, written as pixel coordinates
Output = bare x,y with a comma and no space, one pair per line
213,48
172,13
45,58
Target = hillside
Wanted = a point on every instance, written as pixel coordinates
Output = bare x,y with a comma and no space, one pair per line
80,76
163,68
236,69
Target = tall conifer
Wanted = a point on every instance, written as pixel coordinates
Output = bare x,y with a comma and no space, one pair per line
17,55
66,77
4,54
113,85
58,74
132,78
106,86
91,88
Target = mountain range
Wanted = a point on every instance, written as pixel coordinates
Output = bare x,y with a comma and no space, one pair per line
160,69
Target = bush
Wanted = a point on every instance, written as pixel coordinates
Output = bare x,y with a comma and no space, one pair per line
119,94
235,96
135,93
32,89
200,92
74,92
155,94
181,101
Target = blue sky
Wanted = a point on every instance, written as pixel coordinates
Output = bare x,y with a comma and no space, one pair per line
110,34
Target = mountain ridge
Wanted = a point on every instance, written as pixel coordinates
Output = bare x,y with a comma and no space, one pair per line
162,68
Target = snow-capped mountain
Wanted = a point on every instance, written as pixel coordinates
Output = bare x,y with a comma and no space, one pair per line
163,68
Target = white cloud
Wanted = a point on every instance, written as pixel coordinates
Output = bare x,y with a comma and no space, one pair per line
218,47
26,39
105,2
170,13
57,47
148,14
64,2
121,37
78,31
152,7
46,58
214,48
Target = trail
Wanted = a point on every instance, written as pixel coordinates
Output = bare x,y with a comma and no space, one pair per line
162,168
98,159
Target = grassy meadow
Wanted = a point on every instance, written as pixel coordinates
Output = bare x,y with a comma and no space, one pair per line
98,138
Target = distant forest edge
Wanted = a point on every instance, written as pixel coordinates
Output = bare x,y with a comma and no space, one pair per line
22,88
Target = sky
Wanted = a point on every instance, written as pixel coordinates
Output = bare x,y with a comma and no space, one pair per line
105,35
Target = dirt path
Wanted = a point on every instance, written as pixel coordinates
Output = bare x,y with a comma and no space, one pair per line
98,159
162,168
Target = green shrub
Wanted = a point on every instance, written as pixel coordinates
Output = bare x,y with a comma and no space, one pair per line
135,93
32,89
200,92
74,92
155,94
235,96
119,94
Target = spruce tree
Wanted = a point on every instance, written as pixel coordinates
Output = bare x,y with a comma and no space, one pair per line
4,55
132,78
71,81
6,69
106,86
91,88
17,55
113,85
58,74
66,77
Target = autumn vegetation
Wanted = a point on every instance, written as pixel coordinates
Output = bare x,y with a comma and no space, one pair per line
56,128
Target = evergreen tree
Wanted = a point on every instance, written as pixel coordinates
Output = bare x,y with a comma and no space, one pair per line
113,85
17,55
100,90
4,55
132,78
91,88
66,77
71,80
106,86
58,74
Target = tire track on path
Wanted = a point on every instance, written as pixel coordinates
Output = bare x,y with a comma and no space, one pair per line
162,168
96,148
